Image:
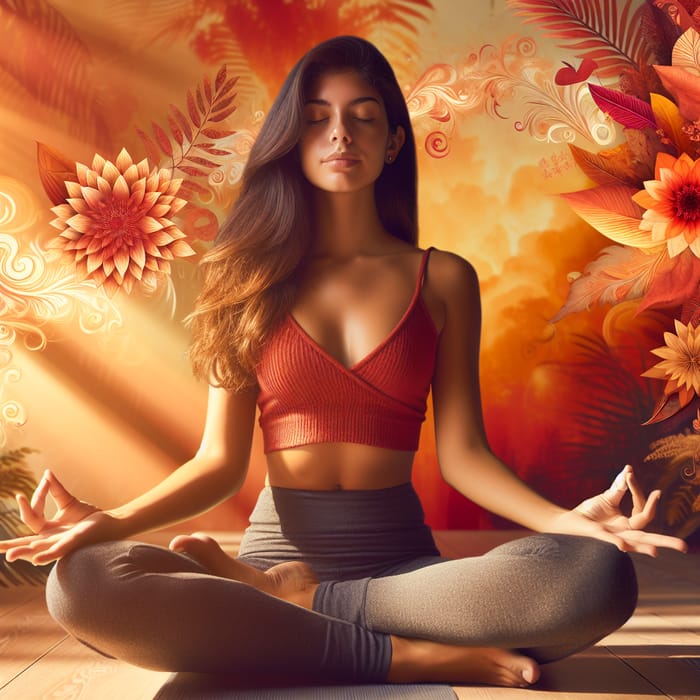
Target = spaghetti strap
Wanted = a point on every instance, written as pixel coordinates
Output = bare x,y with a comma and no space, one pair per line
423,267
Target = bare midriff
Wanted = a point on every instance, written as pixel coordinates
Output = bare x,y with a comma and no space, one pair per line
338,465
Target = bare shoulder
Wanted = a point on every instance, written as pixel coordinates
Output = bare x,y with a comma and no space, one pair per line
451,278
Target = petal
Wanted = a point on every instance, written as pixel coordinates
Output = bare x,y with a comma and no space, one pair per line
121,189
121,260
110,172
138,253
148,224
92,197
81,223
124,160
93,262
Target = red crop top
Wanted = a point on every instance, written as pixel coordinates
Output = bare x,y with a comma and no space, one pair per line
306,396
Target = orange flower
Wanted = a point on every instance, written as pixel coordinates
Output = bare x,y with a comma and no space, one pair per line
672,203
680,366
115,225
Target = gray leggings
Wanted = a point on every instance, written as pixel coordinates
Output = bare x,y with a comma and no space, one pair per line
547,595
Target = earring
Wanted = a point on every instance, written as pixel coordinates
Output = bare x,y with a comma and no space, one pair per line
389,158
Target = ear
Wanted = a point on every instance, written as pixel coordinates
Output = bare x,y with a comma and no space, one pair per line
395,143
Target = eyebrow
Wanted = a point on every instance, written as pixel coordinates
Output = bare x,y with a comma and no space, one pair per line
356,101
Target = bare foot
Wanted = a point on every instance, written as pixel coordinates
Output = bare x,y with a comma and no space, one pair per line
292,581
422,660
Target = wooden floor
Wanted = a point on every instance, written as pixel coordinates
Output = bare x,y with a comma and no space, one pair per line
656,654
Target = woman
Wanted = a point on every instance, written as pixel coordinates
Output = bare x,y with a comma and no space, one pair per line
318,307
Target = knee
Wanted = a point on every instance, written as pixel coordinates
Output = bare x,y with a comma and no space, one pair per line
605,592
75,586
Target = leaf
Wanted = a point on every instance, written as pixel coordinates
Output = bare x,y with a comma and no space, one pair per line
607,167
207,89
610,210
176,131
194,172
162,139
676,12
619,273
54,169
223,103
665,407
220,116
203,161
686,52
217,133
610,27
228,86
685,88
192,109
676,280
220,78
152,151
627,110
200,100
213,150
183,122
670,122
49,60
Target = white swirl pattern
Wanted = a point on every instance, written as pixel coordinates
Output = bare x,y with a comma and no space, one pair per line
34,291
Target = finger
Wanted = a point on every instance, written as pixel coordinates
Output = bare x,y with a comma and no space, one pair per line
29,550
26,513
6,545
39,496
59,493
618,488
642,540
640,520
639,500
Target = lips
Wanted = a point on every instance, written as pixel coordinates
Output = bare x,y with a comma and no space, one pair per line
341,159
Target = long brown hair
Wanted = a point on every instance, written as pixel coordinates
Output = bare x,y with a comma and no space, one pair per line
250,275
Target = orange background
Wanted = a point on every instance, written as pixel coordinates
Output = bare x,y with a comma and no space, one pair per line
100,387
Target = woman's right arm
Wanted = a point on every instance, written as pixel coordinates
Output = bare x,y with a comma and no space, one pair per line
216,472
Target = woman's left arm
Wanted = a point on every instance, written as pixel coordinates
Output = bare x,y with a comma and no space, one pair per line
466,460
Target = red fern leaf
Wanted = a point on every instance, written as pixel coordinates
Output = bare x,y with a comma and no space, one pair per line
608,25
162,139
217,133
220,116
175,130
152,151
183,122
200,101
220,78
193,111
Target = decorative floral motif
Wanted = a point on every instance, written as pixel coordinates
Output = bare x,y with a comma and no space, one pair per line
116,226
646,193
555,111
672,203
680,365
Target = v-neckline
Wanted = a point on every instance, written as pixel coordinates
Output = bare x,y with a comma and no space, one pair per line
366,358
415,298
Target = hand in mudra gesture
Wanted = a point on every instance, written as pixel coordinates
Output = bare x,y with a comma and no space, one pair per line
75,523
602,517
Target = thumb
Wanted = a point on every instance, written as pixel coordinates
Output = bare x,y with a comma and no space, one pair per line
58,491
615,493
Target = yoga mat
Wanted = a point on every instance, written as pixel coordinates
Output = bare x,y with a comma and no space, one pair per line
191,686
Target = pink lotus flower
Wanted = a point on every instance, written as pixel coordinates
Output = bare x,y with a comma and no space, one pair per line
672,203
115,225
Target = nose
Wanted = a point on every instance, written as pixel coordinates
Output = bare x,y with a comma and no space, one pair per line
340,132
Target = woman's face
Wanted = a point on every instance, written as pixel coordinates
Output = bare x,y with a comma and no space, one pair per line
345,139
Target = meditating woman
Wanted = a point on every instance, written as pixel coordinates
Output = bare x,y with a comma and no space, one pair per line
319,309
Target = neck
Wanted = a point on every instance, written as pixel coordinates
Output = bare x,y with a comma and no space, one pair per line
346,224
